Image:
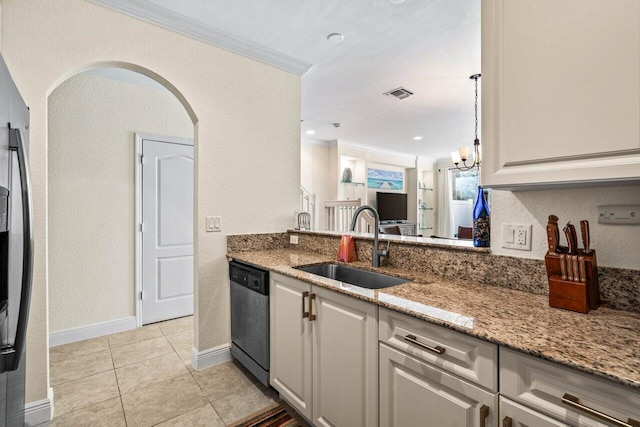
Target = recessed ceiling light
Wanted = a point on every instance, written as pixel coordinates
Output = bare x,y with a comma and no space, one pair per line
396,1
335,38
417,138
310,132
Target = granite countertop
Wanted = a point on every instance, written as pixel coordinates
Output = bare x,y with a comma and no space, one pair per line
604,342
437,242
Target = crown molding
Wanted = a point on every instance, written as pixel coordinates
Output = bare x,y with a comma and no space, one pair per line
189,27
313,141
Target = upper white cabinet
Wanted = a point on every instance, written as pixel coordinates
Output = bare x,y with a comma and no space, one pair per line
560,91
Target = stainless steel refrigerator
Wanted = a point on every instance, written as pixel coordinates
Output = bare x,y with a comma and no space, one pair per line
16,249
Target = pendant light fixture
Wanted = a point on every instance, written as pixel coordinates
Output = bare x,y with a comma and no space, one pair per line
462,155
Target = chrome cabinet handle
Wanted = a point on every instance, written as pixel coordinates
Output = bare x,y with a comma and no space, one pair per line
305,313
574,402
414,340
484,414
507,422
312,316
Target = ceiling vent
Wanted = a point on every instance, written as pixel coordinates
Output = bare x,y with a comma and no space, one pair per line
400,93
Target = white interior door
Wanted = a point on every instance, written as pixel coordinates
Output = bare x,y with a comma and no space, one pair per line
167,231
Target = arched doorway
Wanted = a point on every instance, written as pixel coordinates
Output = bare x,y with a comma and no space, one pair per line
94,115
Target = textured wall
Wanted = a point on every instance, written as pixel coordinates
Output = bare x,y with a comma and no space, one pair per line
616,245
91,191
247,138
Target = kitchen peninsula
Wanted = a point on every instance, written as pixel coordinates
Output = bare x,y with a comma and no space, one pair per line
599,347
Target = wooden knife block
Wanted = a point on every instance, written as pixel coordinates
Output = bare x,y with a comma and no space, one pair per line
570,295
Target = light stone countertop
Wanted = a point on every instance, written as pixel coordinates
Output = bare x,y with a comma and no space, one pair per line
604,342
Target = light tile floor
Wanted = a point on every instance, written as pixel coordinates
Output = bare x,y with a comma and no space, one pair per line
143,377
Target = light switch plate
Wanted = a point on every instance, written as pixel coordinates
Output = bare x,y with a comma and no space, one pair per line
293,239
213,224
517,236
619,214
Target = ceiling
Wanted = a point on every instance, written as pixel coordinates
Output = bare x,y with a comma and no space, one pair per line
429,47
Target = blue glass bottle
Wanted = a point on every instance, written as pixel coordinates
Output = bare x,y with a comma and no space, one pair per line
481,221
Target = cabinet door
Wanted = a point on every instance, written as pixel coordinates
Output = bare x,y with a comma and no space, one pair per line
290,340
414,393
513,414
560,91
345,361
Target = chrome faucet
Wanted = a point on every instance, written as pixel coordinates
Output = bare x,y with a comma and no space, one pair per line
377,253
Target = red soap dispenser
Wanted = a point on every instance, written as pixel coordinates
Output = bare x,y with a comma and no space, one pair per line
347,251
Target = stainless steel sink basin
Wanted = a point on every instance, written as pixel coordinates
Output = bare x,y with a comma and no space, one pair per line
354,276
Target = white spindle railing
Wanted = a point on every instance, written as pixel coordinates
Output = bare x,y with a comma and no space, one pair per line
308,204
340,214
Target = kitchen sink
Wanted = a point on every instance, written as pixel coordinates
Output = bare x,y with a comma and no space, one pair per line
353,276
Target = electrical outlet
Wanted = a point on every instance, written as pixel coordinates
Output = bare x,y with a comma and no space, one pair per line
517,236
293,239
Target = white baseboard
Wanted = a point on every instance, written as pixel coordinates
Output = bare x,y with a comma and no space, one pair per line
210,357
92,331
40,412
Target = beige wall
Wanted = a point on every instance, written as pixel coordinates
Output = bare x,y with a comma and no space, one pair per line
616,245
91,221
247,135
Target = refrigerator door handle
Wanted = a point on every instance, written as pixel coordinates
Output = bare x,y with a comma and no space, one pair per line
12,358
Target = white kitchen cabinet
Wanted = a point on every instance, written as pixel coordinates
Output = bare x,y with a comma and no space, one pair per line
467,357
560,92
345,360
564,394
415,393
433,376
290,341
513,414
325,364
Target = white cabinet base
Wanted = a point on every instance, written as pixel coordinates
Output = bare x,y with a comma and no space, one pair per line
513,414
290,341
414,393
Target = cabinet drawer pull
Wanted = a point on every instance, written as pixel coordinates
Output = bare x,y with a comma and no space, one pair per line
484,414
507,422
574,402
414,340
312,316
305,313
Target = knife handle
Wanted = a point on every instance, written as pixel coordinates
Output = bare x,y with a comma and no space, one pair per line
574,238
552,236
586,236
563,266
576,269
567,233
570,273
583,269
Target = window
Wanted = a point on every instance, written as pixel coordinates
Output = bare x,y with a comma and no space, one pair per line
464,185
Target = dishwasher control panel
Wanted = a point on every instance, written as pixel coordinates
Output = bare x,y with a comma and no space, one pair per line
255,279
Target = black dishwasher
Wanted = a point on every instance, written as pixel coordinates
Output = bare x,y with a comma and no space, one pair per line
250,318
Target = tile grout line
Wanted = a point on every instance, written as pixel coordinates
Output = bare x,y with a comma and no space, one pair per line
143,360
113,369
85,376
124,414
